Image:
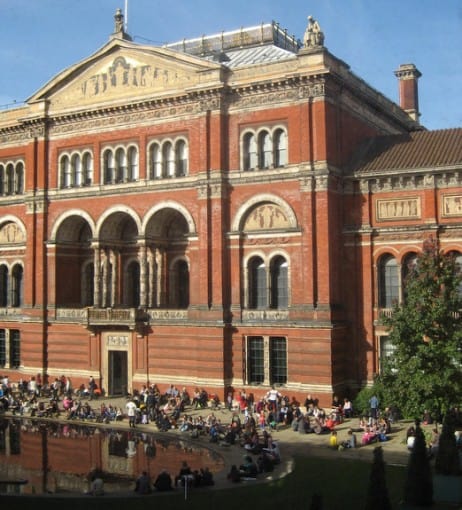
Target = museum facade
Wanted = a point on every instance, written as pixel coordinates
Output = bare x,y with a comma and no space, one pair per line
230,212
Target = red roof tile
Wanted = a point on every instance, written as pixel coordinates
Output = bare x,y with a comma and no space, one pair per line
410,151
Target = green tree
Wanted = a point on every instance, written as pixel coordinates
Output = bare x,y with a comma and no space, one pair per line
425,330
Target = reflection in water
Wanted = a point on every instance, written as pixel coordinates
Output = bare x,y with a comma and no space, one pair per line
57,457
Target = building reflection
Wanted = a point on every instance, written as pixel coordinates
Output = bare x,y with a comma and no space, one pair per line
57,457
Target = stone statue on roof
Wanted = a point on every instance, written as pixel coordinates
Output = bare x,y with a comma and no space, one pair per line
118,21
314,36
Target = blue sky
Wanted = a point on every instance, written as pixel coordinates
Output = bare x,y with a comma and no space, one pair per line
40,38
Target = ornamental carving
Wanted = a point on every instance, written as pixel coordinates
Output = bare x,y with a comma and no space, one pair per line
452,205
266,217
125,75
10,233
398,209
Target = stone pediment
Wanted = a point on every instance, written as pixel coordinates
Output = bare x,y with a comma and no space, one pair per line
124,71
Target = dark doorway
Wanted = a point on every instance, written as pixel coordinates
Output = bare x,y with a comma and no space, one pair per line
118,373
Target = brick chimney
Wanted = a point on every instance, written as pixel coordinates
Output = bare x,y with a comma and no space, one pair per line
407,75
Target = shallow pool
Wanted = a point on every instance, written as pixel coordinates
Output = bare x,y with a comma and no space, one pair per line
56,457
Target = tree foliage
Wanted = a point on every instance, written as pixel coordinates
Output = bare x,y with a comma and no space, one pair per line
425,330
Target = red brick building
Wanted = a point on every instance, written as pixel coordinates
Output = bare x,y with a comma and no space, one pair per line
233,211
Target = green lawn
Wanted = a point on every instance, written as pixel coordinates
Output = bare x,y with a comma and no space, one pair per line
342,484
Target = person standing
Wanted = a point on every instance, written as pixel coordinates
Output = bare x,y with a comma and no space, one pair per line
374,407
131,413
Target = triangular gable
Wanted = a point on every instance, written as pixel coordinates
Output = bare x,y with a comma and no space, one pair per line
121,70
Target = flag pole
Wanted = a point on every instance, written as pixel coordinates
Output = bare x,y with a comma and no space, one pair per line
126,16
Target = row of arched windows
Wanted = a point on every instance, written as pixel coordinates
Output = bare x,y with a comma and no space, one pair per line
391,279
120,165
11,285
264,149
76,170
168,159
12,178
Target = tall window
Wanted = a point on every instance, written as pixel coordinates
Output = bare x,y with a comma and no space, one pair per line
3,285
408,266
16,286
181,153
155,156
15,349
273,349
255,360
280,148
265,159
388,282
132,164
2,347
278,360
279,283
385,350
257,284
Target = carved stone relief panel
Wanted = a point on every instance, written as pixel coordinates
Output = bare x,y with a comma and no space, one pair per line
398,209
266,216
451,205
11,233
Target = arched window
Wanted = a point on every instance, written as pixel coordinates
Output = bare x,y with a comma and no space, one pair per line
280,148
2,180
66,180
109,168
121,165
257,284
407,267
77,170
16,286
458,267
388,282
168,160
10,179
133,164
87,169
181,153
3,286
279,283
156,161
250,152
19,185
265,150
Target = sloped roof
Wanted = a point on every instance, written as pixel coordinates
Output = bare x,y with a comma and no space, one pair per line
260,44
418,149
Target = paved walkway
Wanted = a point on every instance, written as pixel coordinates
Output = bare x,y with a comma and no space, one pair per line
291,443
